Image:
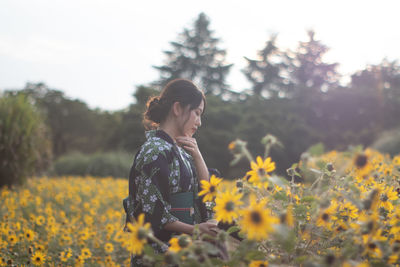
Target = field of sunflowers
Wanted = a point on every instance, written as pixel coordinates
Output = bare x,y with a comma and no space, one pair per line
336,209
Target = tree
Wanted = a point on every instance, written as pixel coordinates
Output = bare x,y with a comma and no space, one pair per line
24,144
73,126
130,134
268,74
310,74
196,56
381,83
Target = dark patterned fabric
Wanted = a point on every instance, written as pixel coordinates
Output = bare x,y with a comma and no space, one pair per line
160,169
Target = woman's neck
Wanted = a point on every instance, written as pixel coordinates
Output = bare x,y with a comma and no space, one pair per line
170,130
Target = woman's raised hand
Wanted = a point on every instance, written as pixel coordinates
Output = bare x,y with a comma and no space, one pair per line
189,144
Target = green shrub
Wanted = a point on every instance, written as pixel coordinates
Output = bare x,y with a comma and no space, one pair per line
115,164
388,142
24,144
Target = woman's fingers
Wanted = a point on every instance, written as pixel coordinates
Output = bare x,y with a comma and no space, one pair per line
186,141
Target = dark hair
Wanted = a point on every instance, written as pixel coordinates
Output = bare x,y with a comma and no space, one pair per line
179,90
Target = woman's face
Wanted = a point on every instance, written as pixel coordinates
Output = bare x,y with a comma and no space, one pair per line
191,119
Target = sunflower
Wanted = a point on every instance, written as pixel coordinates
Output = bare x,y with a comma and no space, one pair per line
260,170
362,164
40,220
257,221
110,228
139,232
108,259
85,253
29,235
12,239
326,217
209,188
38,258
372,249
79,261
348,210
108,247
227,206
39,247
258,264
387,195
178,243
65,255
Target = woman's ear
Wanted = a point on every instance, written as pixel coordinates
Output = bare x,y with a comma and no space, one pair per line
177,109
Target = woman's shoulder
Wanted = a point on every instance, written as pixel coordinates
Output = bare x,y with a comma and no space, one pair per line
152,149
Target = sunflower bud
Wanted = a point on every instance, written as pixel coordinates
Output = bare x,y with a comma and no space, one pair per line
329,167
222,236
141,234
198,250
170,258
330,259
183,241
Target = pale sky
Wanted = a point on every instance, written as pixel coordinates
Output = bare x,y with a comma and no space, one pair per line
100,50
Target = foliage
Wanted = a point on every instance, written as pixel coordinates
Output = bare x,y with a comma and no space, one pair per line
24,144
115,164
346,213
71,221
294,95
309,73
388,142
268,74
196,56
73,126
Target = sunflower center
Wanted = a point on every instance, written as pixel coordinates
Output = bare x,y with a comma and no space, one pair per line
212,189
325,217
230,206
255,217
361,161
183,242
372,245
262,172
384,198
37,259
340,228
141,234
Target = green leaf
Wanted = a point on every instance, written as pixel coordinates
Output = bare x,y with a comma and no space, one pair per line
148,250
233,229
316,150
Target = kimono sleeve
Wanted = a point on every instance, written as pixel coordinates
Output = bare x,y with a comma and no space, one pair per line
154,192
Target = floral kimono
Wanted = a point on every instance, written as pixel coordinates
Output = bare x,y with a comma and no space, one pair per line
160,170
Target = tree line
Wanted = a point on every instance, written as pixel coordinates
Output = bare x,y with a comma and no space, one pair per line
294,95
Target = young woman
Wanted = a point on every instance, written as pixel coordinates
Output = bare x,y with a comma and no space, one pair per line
164,179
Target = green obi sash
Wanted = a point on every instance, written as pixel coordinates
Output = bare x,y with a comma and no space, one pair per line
182,207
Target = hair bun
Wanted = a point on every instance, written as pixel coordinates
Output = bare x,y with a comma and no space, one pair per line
154,101
154,110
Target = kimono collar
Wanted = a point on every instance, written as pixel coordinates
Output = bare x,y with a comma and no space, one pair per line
161,134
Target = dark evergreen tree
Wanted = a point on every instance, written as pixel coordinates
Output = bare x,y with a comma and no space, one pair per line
268,74
196,56
309,73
